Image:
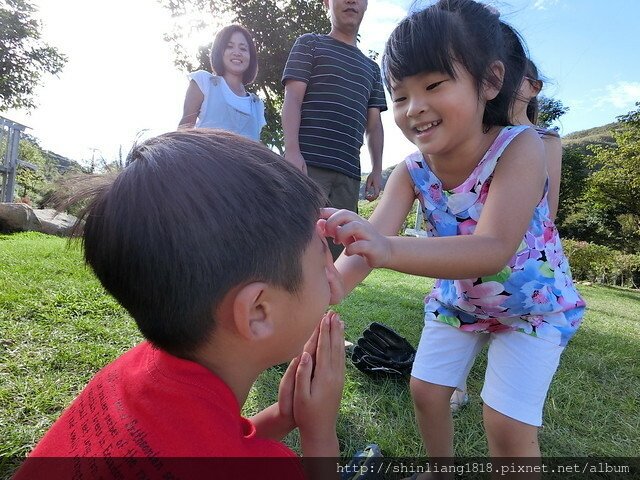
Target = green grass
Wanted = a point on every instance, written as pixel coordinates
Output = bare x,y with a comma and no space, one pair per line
59,327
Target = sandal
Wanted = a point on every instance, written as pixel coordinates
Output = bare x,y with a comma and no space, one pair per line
459,399
363,464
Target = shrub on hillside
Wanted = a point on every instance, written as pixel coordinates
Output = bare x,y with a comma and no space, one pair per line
601,264
589,262
365,209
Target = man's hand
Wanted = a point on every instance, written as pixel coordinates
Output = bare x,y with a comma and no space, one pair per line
297,160
373,186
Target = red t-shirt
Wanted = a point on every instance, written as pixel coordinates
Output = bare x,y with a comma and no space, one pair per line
141,415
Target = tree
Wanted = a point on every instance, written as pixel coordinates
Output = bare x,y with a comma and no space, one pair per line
614,185
616,178
24,57
275,25
31,183
575,171
550,110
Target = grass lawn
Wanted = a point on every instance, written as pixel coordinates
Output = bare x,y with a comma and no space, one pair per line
59,327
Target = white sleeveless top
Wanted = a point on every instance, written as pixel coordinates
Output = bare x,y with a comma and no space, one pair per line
221,108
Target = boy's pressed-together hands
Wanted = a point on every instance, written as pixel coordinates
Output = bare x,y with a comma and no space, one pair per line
318,388
310,392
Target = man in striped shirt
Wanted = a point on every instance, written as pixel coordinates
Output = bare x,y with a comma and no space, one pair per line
333,95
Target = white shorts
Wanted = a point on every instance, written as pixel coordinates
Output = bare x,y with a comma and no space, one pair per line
520,367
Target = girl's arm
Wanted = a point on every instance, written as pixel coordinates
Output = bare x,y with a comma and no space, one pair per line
387,219
553,153
192,102
516,189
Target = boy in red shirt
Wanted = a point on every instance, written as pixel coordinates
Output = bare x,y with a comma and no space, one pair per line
212,244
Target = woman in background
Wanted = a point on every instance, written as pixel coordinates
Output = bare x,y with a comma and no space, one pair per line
219,100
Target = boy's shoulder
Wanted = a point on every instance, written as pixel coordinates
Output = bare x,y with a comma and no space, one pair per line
148,403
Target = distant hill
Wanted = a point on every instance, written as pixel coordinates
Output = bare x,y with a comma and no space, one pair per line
53,162
592,136
385,176
580,140
62,164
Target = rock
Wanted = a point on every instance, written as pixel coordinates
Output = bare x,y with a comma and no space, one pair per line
18,217
55,223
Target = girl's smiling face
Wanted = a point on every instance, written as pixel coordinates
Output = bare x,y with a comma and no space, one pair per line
236,56
438,112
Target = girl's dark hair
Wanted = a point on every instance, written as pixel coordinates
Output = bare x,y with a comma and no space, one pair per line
219,46
518,58
532,74
463,31
193,215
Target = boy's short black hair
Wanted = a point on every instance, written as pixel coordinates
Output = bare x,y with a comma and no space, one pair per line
219,46
193,215
432,39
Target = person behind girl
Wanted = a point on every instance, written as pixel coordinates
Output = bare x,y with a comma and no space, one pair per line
524,111
220,100
502,277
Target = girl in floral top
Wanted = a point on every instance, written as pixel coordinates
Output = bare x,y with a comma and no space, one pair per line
524,111
502,277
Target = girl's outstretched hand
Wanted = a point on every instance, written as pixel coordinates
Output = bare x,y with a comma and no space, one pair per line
357,235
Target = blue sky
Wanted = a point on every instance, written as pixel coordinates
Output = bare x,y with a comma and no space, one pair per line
589,51
120,79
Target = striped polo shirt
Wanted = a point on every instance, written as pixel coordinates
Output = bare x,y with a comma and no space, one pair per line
342,84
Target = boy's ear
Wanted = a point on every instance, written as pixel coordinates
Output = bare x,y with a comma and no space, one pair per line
252,311
495,78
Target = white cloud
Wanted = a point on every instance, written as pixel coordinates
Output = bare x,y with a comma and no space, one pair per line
381,18
543,4
119,79
620,94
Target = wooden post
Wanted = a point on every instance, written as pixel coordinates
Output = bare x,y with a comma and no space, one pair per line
12,131
418,231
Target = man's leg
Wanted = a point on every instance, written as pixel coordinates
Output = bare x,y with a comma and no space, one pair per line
344,195
341,191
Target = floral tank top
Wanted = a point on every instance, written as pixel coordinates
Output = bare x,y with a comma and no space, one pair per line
534,292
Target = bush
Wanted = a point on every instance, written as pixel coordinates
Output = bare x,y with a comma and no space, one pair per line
627,270
366,208
602,264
